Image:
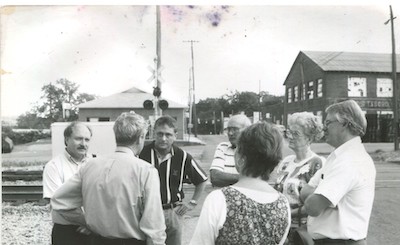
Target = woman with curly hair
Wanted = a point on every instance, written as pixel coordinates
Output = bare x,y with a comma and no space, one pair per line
296,170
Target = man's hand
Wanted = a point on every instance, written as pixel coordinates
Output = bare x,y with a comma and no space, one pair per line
83,230
184,208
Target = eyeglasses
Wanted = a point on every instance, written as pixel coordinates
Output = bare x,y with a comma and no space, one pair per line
294,134
232,129
327,122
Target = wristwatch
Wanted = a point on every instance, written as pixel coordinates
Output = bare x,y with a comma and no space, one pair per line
193,202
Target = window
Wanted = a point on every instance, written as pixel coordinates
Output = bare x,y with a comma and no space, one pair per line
104,119
319,88
384,87
357,87
296,93
310,91
304,92
92,119
289,95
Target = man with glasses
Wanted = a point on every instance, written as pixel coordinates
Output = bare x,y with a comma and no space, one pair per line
174,166
223,171
339,197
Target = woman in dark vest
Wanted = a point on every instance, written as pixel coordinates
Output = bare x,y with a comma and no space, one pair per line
250,211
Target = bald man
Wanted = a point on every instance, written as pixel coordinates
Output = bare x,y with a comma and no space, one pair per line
223,171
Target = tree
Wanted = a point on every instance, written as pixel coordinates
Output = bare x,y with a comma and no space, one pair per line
248,102
230,104
52,105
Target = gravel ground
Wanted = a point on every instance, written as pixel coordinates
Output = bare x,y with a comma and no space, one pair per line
31,224
28,223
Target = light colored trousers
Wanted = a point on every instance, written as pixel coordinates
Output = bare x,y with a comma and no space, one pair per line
173,222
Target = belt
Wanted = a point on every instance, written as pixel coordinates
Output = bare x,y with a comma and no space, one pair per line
171,205
97,239
343,241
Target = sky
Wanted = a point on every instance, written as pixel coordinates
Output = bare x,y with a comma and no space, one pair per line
109,49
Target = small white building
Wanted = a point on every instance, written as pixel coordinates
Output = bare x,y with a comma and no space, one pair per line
108,108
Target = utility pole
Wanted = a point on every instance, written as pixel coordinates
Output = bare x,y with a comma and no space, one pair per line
190,124
259,100
157,61
395,86
193,86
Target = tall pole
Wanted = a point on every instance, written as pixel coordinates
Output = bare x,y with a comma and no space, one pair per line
259,101
193,86
395,86
190,103
157,61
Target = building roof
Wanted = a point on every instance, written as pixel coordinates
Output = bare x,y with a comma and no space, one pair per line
350,61
131,98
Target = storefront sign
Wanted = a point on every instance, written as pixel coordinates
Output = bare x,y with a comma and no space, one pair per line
374,103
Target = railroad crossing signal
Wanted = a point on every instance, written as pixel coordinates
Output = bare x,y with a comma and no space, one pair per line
155,74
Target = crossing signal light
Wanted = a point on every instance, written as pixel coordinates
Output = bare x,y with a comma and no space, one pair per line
148,104
163,104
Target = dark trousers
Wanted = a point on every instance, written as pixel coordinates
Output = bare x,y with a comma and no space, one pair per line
340,242
99,240
67,235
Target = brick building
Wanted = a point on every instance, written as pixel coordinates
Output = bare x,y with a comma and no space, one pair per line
319,79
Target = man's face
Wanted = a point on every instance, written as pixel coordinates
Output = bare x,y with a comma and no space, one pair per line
234,128
333,130
78,143
164,137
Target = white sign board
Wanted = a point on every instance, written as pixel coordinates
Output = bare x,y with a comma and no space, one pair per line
256,116
102,142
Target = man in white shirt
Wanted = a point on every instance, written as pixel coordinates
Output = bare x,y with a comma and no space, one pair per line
58,170
223,171
119,192
339,198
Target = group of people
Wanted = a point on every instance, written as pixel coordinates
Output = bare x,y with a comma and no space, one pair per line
135,195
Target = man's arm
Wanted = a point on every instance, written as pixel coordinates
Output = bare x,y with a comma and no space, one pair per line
67,200
198,191
152,222
51,180
306,191
220,179
196,196
315,204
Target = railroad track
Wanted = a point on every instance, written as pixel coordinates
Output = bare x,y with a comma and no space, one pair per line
24,193
22,175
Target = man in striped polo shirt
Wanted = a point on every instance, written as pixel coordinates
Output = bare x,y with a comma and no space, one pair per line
223,171
174,166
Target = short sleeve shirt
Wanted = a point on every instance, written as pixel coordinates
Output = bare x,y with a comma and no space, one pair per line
173,171
347,180
57,171
224,158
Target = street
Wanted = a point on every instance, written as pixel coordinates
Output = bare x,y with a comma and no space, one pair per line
385,218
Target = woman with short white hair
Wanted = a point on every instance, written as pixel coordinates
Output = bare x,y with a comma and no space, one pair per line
296,170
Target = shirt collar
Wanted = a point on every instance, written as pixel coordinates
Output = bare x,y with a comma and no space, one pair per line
125,149
71,159
172,151
348,145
